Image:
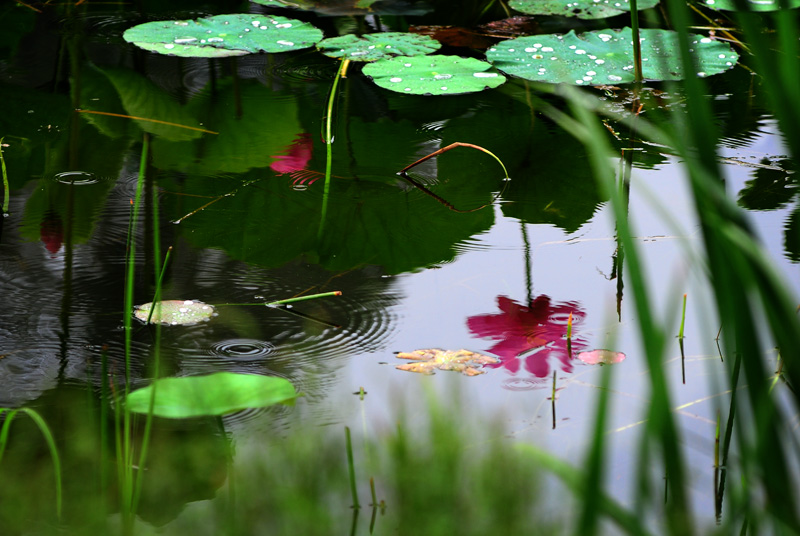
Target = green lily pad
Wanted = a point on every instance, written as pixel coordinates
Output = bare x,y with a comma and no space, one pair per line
606,57
433,75
752,5
582,9
223,35
176,312
372,47
215,394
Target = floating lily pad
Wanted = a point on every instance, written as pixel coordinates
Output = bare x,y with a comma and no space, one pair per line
601,357
223,35
215,394
462,361
433,75
606,57
372,47
582,9
176,312
751,5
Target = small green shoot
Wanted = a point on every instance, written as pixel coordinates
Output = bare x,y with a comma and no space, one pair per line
683,318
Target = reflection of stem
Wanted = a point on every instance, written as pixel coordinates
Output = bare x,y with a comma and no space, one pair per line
553,399
637,45
528,270
6,189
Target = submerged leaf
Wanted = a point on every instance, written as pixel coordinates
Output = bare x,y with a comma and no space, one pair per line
214,394
604,57
175,312
372,47
462,361
582,9
223,35
433,75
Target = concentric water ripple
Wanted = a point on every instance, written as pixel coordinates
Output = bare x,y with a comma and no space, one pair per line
245,349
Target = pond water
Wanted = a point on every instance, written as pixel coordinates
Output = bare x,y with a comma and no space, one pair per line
418,267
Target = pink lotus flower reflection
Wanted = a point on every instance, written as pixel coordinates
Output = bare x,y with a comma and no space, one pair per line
533,333
295,161
601,357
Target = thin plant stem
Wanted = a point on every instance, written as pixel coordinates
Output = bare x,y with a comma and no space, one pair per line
304,298
637,45
148,423
178,125
328,138
683,318
126,460
157,294
451,147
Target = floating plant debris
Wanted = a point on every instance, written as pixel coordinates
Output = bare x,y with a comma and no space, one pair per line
176,312
601,357
463,361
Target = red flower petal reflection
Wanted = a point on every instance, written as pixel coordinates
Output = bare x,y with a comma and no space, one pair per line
51,232
532,334
297,157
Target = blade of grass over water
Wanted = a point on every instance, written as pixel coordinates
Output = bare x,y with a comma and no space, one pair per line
5,178
10,414
125,461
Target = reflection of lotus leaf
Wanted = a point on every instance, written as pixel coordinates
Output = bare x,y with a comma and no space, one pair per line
462,361
176,312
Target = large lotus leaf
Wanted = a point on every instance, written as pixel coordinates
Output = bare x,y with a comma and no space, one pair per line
214,394
433,75
606,57
223,35
268,124
142,99
751,5
582,9
372,47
